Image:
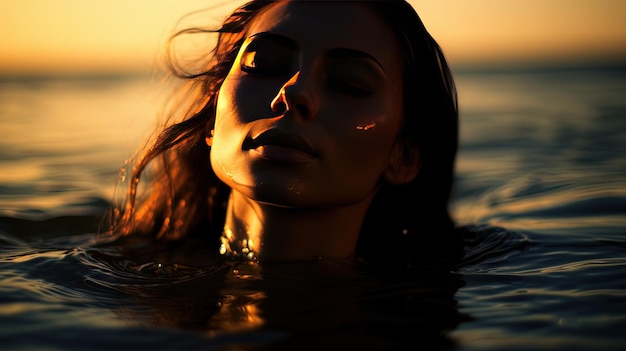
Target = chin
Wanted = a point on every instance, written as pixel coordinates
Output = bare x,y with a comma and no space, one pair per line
285,199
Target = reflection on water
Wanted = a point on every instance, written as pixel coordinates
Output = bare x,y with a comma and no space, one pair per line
542,156
304,306
63,140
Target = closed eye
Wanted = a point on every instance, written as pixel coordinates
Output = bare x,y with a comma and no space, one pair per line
254,62
267,57
353,77
348,88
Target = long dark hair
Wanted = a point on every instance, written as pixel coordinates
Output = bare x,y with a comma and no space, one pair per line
183,196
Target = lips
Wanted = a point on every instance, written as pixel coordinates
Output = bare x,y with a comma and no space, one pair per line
277,145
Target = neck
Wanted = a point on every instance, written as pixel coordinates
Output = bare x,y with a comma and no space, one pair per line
271,233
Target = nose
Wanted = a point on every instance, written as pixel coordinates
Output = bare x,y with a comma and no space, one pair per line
295,96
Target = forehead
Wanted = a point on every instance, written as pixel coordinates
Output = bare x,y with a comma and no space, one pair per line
322,25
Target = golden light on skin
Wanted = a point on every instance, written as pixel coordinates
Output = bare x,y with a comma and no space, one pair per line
366,126
64,35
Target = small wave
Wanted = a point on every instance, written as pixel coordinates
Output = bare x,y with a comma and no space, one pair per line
486,245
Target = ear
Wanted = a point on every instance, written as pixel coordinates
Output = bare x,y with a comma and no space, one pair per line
404,164
209,138
209,131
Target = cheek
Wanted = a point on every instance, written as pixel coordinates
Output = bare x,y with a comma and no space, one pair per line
363,141
367,130
228,134
244,100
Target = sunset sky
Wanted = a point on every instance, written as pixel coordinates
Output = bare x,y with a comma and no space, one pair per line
111,35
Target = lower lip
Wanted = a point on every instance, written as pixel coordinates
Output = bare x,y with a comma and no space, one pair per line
282,154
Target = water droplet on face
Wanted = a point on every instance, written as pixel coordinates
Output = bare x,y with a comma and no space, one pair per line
295,187
366,126
122,174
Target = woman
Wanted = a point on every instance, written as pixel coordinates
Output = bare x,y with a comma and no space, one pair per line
317,130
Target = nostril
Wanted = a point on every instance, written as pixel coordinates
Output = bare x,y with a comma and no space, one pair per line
279,107
302,110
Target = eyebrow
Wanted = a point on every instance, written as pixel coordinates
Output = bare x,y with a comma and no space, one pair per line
280,39
345,53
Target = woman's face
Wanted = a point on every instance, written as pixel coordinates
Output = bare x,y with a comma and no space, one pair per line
309,113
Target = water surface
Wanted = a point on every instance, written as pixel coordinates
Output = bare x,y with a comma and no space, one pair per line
541,182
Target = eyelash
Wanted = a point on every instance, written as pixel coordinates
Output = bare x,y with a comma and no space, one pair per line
348,88
260,71
272,70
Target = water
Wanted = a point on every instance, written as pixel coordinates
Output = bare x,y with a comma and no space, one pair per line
542,155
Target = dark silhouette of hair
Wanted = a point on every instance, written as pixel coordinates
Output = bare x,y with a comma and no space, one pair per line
184,197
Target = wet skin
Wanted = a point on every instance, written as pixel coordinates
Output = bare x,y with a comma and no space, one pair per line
340,73
307,119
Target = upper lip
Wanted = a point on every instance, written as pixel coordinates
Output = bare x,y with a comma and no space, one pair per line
278,137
